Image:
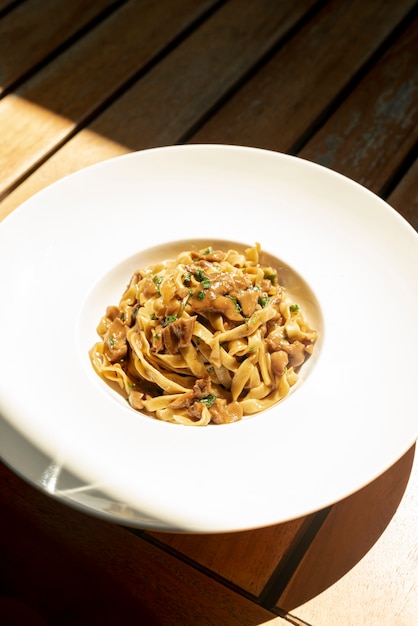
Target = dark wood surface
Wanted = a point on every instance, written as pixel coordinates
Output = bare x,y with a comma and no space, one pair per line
334,82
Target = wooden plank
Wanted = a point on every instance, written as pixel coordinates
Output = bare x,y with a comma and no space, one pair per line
23,40
172,98
48,107
404,197
358,568
376,127
160,107
287,97
65,564
247,559
83,150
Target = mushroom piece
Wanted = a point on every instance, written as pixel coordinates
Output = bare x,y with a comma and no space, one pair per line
223,413
211,303
296,352
136,399
279,361
208,255
248,300
115,344
178,334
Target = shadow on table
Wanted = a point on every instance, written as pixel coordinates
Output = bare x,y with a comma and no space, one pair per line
350,530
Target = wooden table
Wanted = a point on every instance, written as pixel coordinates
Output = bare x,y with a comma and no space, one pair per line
333,82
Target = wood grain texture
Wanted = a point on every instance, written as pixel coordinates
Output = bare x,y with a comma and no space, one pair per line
376,127
23,44
72,570
85,149
47,108
247,559
287,98
157,110
358,569
334,81
404,197
175,95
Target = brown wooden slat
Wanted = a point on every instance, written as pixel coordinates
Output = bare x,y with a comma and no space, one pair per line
73,569
172,98
160,107
23,43
360,585
404,197
84,77
376,127
85,149
246,559
285,99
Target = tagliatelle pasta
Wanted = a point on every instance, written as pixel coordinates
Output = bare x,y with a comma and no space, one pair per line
207,337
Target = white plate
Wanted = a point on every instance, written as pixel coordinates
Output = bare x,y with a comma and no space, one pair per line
68,252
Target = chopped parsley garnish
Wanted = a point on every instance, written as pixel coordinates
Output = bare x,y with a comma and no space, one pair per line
208,250
186,278
157,280
209,400
263,300
169,319
235,301
199,275
111,341
200,295
294,308
271,277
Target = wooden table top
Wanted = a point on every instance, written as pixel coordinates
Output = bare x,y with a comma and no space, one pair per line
334,82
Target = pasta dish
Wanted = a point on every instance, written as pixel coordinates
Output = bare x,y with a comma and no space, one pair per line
208,337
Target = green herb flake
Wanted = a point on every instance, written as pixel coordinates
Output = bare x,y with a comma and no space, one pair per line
271,277
186,278
199,275
209,400
208,250
235,301
111,341
169,319
263,300
157,280
294,308
200,295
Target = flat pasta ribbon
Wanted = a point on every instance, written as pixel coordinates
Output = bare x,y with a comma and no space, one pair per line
207,337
